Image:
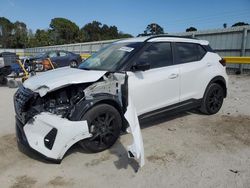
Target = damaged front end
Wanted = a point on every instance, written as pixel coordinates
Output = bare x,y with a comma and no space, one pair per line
50,120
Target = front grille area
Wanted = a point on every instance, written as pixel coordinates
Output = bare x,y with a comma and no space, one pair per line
21,101
20,135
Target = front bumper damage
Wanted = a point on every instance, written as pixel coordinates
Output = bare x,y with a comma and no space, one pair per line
136,149
52,135
57,142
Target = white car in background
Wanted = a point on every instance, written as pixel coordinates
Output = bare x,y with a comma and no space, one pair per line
106,94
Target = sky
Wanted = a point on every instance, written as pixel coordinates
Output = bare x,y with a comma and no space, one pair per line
130,16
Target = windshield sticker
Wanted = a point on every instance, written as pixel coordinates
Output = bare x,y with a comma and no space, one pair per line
126,49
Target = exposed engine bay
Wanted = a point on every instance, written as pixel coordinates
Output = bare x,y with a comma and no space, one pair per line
51,119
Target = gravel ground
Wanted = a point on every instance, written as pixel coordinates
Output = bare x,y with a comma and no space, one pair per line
185,150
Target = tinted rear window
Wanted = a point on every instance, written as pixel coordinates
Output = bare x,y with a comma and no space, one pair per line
189,52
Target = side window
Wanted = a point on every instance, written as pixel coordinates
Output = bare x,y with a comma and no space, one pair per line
52,54
62,54
157,55
189,52
200,52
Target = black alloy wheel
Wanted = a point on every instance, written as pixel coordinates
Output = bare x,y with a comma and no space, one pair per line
104,124
73,64
213,99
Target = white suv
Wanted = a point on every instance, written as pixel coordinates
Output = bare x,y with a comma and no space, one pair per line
131,78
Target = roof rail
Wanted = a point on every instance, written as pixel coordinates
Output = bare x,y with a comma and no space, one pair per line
165,35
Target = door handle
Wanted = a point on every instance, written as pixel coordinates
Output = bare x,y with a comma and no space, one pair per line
173,76
209,64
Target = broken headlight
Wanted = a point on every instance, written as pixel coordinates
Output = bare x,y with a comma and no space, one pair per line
62,102
58,105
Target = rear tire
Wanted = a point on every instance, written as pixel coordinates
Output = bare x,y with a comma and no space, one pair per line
73,64
104,123
213,99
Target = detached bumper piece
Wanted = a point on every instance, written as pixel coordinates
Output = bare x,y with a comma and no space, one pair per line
24,146
51,135
136,149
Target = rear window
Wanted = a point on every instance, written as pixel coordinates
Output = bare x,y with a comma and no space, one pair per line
189,52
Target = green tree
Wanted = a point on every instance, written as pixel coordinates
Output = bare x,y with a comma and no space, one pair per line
42,38
113,32
239,24
81,37
109,32
124,35
190,29
97,31
63,31
105,32
92,31
19,35
6,31
153,29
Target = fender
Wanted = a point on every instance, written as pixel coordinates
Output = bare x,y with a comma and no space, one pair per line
221,81
86,104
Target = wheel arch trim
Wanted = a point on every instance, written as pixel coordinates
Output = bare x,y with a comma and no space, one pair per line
219,80
103,98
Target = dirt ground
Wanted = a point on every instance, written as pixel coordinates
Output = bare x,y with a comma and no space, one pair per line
185,150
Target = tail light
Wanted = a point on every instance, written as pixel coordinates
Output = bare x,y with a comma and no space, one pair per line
223,62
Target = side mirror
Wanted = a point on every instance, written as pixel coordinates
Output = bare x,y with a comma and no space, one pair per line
141,67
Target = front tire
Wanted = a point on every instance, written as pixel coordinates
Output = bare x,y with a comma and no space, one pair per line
213,99
104,123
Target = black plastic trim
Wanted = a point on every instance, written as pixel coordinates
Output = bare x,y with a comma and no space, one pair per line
178,107
208,48
83,106
218,79
50,138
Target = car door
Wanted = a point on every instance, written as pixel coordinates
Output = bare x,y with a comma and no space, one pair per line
64,58
193,70
157,87
53,55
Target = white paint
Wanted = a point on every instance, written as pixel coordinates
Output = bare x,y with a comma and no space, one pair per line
126,49
178,39
195,76
136,148
60,77
148,91
154,88
165,39
68,133
136,39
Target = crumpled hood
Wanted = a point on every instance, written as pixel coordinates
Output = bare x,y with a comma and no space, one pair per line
54,79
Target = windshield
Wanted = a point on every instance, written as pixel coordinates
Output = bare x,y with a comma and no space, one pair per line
109,58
